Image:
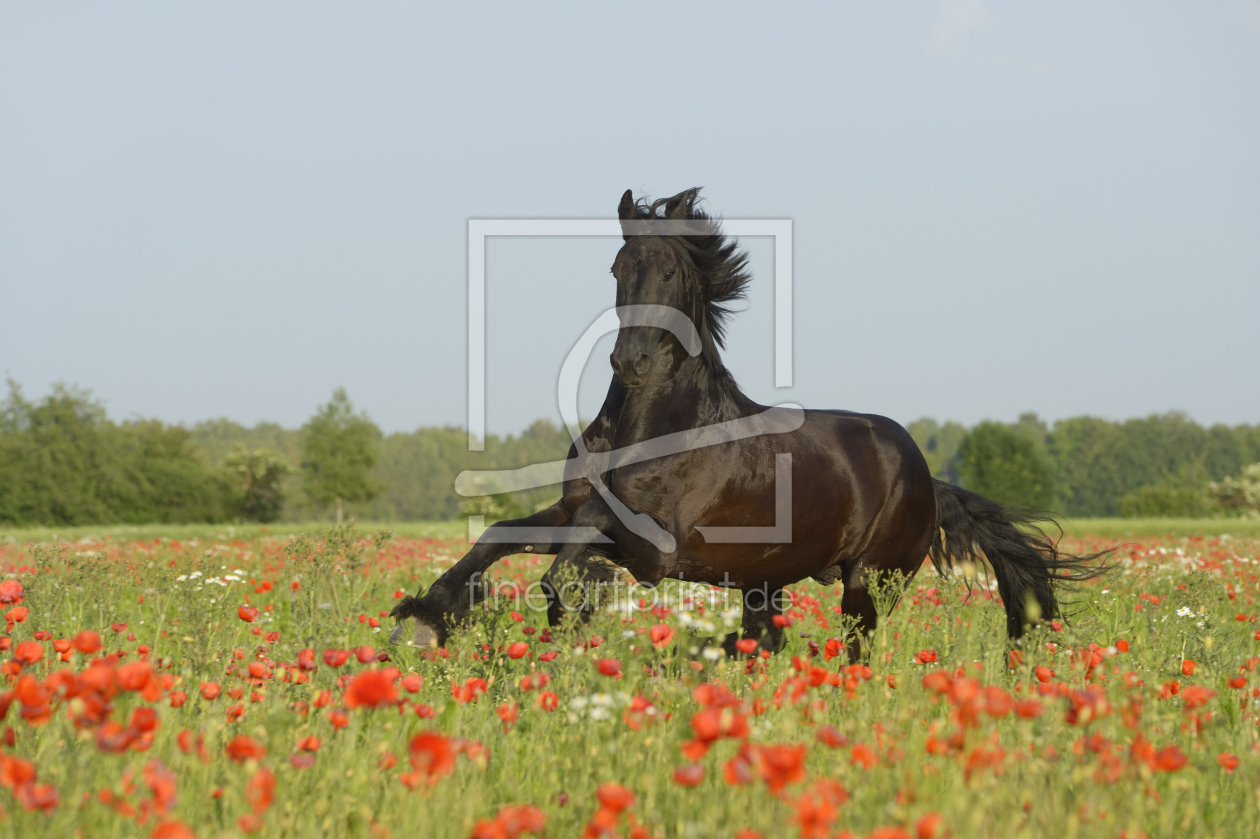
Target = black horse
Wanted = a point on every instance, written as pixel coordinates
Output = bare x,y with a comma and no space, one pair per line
861,501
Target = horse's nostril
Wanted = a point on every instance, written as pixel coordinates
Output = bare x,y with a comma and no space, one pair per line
642,364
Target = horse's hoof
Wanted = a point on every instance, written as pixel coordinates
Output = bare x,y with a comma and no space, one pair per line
414,632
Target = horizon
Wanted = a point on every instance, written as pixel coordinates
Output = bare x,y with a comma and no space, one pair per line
191,425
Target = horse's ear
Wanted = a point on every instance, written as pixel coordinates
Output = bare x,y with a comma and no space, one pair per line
679,207
626,211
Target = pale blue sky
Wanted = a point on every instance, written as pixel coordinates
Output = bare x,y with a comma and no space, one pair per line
230,211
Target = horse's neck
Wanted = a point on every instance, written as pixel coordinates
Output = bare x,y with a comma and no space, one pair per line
694,397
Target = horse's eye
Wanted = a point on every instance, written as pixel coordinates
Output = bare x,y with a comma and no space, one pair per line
669,275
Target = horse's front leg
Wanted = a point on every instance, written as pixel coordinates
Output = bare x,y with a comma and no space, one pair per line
581,568
425,620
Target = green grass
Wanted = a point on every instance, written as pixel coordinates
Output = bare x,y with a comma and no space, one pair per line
1175,527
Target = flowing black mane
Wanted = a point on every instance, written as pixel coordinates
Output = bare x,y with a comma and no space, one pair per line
709,258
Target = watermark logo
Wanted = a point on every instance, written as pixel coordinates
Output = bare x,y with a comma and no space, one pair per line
592,466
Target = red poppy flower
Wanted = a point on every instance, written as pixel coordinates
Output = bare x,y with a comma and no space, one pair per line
371,689
161,782
518,650
261,789
306,659
689,775
86,642
38,796
711,724
828,736
863,755
548,700
925,656
609,667
134,676
998,703
431,755
508,712
1028,708
29,652
1196,696
746,645
336,658
534,681
1229,762
1187,667
244,747
469,691
928,827
779,766
661,635
614,797
302,760
173,829
310,743
11,591
247,613
1168,759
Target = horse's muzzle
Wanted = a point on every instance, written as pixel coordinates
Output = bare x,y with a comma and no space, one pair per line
631,373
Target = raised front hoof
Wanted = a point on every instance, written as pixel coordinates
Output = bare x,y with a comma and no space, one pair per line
417,632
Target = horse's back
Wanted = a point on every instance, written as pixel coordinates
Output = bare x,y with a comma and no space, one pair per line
886,502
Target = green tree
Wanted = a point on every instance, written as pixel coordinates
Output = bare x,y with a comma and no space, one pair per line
62,462
339,449
1005,464
260,474
939,444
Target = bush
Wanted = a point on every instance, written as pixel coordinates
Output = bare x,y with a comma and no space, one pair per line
1001,463
1241,494
1165,499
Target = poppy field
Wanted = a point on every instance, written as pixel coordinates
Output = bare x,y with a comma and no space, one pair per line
244,685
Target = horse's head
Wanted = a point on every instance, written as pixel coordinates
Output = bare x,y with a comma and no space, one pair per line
653,267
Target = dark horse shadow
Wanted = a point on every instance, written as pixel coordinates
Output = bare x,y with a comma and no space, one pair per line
707,502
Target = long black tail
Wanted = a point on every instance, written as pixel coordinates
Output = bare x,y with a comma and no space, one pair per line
1025,561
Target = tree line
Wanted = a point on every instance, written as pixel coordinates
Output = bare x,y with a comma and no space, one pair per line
1161,465
64,462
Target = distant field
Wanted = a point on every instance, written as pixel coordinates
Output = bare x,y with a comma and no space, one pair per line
140,532
1122,528
1110,528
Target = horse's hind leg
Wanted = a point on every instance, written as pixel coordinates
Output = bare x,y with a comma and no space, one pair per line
857,602
573,583
761,607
